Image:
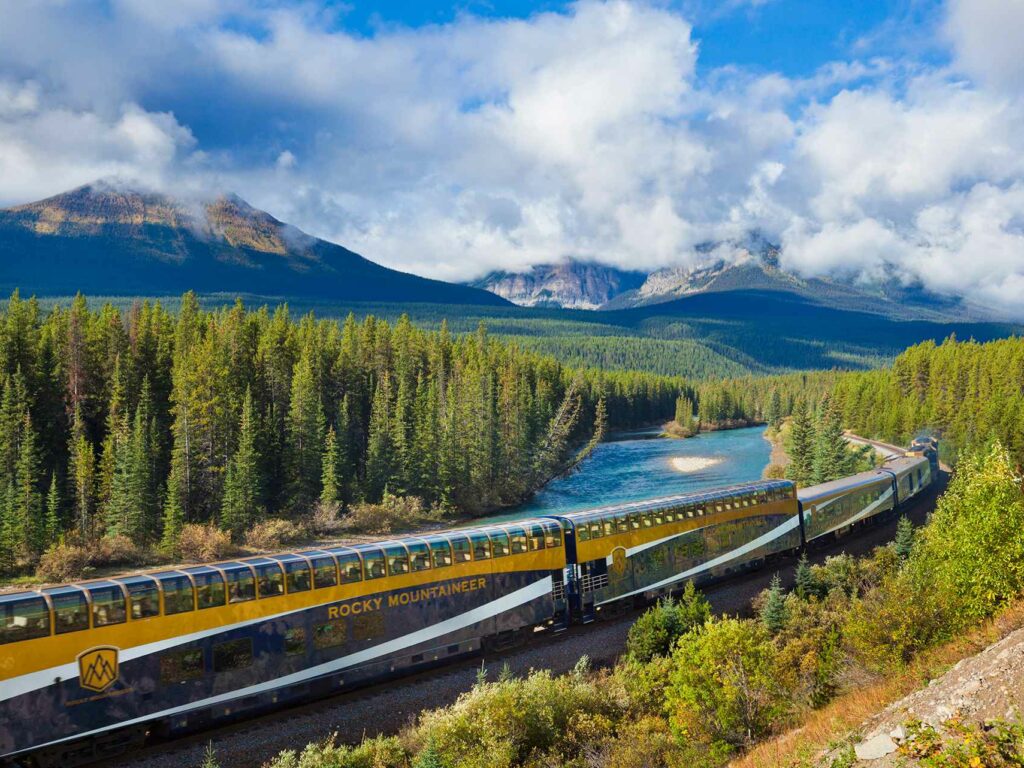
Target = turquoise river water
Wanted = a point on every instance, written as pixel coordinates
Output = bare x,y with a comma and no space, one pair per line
638,465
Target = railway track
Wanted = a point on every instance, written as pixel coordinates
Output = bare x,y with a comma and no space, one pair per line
388,707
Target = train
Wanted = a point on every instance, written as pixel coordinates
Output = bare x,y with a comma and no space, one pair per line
91,669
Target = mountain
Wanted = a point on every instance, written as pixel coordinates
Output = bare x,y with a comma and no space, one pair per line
570,285
105,240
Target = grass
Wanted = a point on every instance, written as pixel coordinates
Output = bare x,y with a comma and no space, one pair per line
838,722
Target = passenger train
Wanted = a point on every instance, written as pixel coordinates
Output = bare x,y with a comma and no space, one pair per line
92,668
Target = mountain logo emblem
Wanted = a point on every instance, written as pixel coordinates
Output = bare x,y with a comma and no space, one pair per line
97,668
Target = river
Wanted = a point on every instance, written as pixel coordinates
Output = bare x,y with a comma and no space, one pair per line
638,465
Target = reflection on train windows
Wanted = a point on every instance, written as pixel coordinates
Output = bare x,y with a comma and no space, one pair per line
108,605
349,566
419,556
329,636
608,526
143,596
596,529
177,589
481,546
241,582
536,537
552,534
647,520
181,666
440,552
70,609
621,524
460,549
269,580
582,531
373,563
234,654
368,626
295,642
23,617
325,574
634,522
499,543
209,587
298,576
659,518
517,536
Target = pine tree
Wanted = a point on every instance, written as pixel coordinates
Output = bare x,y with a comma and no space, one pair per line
305,435
801,451
27,519
773,415
806,584
81,475
8,538
53,525
242,492
904,537
774,614
380,450
331,483
174,513
831,451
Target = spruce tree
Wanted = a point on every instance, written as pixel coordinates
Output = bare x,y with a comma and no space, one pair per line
81,475
242,492
53,526
379,450
904,537
305,431
806,584
330,484
27,519
831,451
801,449
774,614
174,513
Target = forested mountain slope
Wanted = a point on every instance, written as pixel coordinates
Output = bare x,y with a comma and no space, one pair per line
106,240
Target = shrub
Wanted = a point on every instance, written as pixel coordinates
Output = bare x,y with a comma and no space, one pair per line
201,543
725,688
117,550
381,752
394,514
63,562
325,519
658,629
271,534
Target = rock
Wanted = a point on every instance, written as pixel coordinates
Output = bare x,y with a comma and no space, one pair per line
898,734
875,748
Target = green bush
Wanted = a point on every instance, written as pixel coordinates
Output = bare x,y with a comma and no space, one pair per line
725,688
658,629
381,752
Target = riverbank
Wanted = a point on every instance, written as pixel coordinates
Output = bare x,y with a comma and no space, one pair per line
673,429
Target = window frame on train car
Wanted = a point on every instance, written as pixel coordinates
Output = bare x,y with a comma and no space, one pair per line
582,529
295,564
231,571
480,545
84,609
622,523
419,552
647,519
659,517
440,551
114,590
518,541
596,528
500,544
633,519
552,534
608,525
206,581
320,561
535,537
372,555
9,605
350,564
396,557
142,591
462,551
174,577
242,660
262,566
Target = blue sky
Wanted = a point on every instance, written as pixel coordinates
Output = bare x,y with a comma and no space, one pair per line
872,140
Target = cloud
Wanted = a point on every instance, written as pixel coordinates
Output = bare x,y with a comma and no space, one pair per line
453,149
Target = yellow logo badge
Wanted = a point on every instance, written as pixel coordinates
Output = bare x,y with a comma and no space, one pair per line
97,668
619,561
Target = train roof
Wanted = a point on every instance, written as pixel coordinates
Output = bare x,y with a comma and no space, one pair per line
895,464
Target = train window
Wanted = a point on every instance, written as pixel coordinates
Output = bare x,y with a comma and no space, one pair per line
329,635
23,618
295,642
350,567
269,580
622,524
70,609
325,573
634,521
297,576
536,534
460,549
181,666
177,590
440,553
596,529
419,556
582,531
659,518
373,564
234,654
398,560
648,520
143,596
718,507
552,535
107,605
517,536
210,592
368,626
499,543
481,546
608,526
241,583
